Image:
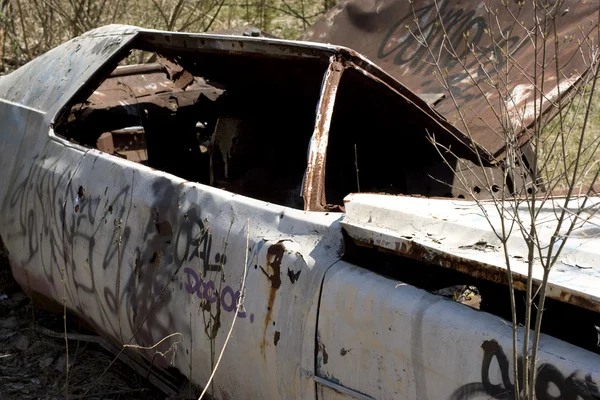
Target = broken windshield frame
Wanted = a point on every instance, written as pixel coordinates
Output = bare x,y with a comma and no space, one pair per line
218,55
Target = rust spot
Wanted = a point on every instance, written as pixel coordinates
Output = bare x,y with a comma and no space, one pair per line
77,208
179,75
155,259
578,301
477,269
164,228
81,192
276,339
274,258
324,352
293,275
314,184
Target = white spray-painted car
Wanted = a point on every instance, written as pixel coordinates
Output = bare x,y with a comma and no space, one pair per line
168,199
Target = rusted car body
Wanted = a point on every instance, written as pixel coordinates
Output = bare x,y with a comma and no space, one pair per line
414,41
161,202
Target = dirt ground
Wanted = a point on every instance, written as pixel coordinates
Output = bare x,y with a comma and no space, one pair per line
33,364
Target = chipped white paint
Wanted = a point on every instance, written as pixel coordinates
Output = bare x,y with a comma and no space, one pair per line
521,108
470,79
388,340
519,94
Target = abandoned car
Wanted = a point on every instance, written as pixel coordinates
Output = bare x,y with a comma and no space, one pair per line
188,193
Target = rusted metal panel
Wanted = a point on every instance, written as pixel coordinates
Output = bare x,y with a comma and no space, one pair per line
456,235
314,179
383,339
391,33
177,74
128,88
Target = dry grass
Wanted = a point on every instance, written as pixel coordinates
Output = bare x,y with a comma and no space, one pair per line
561,150
29,28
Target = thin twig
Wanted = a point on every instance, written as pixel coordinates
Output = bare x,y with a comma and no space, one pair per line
238,307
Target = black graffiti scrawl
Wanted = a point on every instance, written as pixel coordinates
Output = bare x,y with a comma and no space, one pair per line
551,384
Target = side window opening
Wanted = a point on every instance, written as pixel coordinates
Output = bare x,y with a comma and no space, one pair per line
382,148
236,121
379,143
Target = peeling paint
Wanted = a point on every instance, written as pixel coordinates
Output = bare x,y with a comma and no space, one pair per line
276,337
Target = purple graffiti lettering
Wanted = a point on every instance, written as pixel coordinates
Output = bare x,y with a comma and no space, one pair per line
235,296
209,291
231,306
206,290
189,287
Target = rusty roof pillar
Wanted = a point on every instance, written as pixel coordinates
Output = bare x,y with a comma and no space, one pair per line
313,190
